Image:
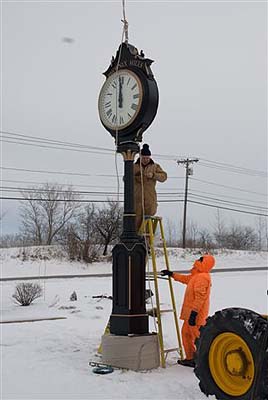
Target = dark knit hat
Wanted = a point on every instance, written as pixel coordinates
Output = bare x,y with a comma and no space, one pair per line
145,151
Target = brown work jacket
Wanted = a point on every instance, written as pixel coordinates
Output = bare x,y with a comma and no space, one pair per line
149,184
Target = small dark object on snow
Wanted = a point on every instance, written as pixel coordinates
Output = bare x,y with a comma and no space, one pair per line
73,296
103,370
186,363
102,296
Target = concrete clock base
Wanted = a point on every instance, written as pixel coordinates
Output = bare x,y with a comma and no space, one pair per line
134,352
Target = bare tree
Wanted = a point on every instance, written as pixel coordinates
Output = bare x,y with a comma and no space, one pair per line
11,240
108,223
266,233
171,233
80,236
219,230
240,237
192,234
45,211
205,239
261,225
2,215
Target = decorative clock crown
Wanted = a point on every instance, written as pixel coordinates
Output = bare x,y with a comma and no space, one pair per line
127,56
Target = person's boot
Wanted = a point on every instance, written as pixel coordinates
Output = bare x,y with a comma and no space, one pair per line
187,363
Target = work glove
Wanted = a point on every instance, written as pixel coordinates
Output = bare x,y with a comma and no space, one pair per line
192,318
165,272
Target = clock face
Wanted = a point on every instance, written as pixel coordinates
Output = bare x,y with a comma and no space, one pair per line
120,99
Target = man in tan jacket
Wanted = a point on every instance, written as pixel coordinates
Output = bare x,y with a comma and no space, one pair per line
146,171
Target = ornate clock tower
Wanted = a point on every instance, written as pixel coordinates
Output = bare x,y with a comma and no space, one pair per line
127,105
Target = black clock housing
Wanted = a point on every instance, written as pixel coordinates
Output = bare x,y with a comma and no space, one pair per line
127,57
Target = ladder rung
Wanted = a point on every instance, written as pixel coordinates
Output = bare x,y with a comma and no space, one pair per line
170,350
168,310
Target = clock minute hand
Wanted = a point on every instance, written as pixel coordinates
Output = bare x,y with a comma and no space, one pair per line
120,97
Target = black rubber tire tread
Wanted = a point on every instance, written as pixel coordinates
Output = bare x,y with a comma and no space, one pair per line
252,328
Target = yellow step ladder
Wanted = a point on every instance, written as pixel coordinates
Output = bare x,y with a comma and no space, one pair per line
148,229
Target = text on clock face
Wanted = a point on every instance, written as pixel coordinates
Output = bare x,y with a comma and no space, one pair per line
120,99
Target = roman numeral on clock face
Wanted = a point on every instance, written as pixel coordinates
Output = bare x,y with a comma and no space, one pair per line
109,113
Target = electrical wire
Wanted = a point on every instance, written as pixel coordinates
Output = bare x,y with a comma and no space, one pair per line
161,192
227,208
53,147
228,187
226,201
106,193
234,166
260,174
13,135
159,201
57,172
19,138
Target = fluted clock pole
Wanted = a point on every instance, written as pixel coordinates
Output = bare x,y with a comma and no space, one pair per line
129,260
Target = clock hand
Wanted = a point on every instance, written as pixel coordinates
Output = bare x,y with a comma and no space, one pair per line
120,97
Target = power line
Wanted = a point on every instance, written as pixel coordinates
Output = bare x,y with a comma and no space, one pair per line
53,141
58,200
234,166
19,138
228,187
260,174
53,172
160,201
159,191
78,192
106,193
57,172
228,201
227,208
230,197
58,184
53,147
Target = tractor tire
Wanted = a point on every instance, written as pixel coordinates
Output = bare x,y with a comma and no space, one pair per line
232,355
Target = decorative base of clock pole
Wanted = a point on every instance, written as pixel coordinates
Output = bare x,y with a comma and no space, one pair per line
129,259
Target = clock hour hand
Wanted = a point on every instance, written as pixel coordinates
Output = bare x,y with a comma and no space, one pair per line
120,97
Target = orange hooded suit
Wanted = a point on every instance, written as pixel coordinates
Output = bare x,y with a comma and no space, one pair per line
195,306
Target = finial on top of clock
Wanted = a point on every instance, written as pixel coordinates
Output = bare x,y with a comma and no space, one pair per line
127,56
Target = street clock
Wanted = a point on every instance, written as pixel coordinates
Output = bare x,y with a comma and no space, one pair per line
128,99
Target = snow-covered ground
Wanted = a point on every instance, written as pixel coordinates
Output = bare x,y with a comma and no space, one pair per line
49,359
41,261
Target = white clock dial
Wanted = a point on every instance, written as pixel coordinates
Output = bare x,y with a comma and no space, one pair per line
120,99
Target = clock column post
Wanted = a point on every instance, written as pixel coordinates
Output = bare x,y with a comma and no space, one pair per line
127,106
129,261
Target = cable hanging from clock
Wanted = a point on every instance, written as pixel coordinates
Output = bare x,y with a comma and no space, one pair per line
124,36
124,20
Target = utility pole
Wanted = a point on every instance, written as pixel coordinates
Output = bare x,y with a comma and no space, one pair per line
189,171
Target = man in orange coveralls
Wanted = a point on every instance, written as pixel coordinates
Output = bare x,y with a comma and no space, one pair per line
195,306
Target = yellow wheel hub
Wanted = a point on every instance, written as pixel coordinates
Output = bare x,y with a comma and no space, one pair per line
231,364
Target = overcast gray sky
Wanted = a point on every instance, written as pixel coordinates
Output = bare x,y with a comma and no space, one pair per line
211,69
